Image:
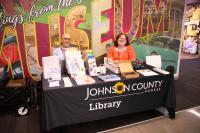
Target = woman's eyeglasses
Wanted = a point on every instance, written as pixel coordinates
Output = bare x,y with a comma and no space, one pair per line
122,39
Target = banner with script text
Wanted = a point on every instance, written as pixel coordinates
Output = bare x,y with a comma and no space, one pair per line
31,29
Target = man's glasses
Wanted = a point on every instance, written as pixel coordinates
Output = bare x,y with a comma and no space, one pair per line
67,38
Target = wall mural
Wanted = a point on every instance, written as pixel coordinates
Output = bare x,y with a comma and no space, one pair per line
31,29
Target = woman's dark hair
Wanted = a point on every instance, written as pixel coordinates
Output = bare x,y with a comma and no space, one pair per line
117,38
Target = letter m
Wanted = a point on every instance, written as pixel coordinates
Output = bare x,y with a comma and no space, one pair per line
156,16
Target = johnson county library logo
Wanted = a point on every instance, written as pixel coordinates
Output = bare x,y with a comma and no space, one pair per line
105,97
121,89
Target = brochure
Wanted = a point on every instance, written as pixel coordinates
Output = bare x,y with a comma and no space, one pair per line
84,79
50,63
55,74
67,82
54,83
146,72
109,77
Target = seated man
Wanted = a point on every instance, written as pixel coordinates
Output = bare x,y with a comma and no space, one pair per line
60,51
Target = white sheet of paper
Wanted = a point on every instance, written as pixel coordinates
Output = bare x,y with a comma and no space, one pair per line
54,83
55,74
160,71
67,82
147,72
154,60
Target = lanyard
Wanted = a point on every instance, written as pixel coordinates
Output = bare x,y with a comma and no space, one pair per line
120,53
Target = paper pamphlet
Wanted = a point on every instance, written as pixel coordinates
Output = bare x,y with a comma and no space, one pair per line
160,71
48,63
54,83
84,79
55,74
109,77
146,72
67,82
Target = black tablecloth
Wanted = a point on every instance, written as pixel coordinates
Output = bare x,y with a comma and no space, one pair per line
69,105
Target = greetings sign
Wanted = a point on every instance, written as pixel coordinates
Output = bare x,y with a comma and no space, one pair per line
31,29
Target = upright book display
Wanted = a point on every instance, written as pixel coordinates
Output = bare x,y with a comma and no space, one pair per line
74,63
